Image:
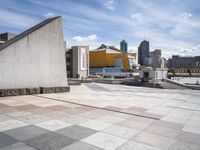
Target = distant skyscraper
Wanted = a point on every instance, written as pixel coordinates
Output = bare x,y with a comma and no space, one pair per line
123,46
143,52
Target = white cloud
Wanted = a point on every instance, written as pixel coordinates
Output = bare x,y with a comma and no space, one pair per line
110,4
16,20
49,15
90,40
136,15
79,38
185,16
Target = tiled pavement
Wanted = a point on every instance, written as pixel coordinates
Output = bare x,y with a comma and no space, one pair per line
117,117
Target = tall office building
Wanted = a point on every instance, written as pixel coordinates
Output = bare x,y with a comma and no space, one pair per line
143,52
123,46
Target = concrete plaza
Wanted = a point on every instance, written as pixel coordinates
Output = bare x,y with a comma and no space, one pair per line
102,117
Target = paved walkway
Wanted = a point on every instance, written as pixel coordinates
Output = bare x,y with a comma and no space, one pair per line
101,116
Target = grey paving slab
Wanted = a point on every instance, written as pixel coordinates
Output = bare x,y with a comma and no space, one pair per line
76,132
121,131
104,141
131,145
34,119
182,145
27,132
163,131
11,124
81,146
50,141
6,140
18,146
189,137
75,119
168,124
154,140
4,118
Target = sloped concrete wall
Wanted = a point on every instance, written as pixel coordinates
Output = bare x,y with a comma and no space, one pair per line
37,60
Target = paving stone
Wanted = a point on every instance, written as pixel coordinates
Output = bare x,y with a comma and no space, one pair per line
168,124
91,115
18,146
76,132
4,118
131,145
96,124
154,140
189,137
182,145
56,114
81,146
34,119
11,124
75,119
19,114
121,131
58,107
53,125
163,131
120,115
50,141
27,107
110,119
6,140
192,126
144,120
25,133
133,124
104,141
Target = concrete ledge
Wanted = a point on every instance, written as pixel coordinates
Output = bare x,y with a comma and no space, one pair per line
45,90
31,91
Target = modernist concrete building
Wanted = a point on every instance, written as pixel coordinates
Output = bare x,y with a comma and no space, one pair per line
34,61
77,62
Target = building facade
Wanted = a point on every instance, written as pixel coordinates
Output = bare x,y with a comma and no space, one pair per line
184,62
77,62
155,59
111,57
34,59
6,36
154,67
143,52
124,46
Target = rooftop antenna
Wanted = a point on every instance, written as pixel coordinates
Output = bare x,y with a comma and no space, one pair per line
144,37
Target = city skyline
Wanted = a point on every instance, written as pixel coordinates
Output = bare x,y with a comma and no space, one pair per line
175,30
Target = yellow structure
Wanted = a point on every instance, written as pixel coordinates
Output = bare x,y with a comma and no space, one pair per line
109,56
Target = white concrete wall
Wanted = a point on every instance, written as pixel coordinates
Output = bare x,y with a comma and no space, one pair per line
37,60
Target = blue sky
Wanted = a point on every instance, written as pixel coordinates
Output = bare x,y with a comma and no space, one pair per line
170,25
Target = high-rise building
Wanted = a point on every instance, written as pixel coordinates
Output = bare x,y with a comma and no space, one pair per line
143,52
123,46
